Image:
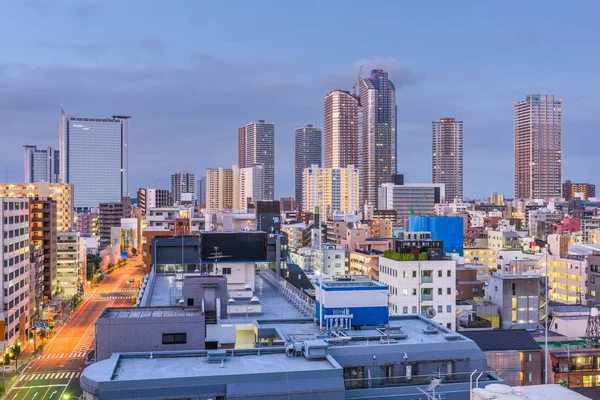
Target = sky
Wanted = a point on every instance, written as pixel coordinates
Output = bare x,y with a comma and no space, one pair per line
189,73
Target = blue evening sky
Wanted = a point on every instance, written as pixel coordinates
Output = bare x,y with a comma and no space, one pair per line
190,72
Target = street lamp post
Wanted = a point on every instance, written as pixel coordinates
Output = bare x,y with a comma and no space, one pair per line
568,348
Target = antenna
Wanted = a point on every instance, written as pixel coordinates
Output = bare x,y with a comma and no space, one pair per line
358,81
217,255
430,314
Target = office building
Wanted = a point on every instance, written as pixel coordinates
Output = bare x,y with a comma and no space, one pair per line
287,204
578,190
43,231
110,216
182,187
307,152
201,189
93,158
14,225
36,282
219,188
71,264
87,224
342,127
258,140
447,156
379,134
251,187
419,283
61,193
331,189
538,147
41,165
411,198
151,198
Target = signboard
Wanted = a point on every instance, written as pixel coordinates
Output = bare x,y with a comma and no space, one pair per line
124,254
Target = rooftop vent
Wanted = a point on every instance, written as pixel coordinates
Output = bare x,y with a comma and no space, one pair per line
452,337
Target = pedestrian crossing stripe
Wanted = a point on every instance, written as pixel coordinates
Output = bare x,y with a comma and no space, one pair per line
119,290
78,354
51,375
115,297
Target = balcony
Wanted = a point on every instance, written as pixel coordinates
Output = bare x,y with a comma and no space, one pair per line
426,297
427,279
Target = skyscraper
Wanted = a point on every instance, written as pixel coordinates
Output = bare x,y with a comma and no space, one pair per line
307,151
378,102
182,187
41,165
538,147
447,156
342,126
93,158
201,189
250,187
219,189
258,139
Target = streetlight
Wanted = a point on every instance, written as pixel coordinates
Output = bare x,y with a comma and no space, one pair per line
567,347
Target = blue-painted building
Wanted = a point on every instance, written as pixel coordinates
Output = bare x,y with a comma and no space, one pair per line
450,230
348,304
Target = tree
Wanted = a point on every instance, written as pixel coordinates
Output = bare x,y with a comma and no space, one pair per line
43,334
6,359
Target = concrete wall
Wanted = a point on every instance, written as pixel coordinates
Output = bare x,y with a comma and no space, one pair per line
120,335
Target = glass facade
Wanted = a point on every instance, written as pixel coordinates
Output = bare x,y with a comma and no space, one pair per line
94,159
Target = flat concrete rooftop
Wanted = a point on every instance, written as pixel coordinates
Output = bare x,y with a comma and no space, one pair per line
146,312
122,367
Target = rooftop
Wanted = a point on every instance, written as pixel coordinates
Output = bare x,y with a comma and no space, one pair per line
503,340
350,285
155,312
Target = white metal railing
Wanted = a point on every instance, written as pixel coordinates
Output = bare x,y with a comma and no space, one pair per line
292,294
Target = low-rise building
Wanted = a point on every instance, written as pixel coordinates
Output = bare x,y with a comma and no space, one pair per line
517,298
365,262
71,263
575,367
503,240
467,284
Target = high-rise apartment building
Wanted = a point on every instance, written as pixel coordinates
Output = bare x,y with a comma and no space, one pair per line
14,240
93,158
331,189
61,193
251,186
201,189
496,199
87,224
41,165
152,198
43,231
182,187
307,152
447,156
259,143
342,127
219,189
538,147
379,134
110,217
572,190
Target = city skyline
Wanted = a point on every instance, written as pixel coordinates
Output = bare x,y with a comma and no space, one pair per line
289,93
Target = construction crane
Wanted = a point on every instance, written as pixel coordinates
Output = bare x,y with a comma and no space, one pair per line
412,207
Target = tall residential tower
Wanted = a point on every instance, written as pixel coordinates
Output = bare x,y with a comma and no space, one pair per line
342,118
308,151
93,158
258,141
538,147
182,187
447,156
378,102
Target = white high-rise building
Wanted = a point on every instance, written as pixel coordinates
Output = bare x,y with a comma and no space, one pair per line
411,198
447,156
41,165
183,187
93,158
258,140
538,147
331,189
251,186
14,239
70,264
416,286
342,127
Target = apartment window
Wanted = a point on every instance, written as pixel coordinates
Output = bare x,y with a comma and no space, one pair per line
514,289
414,274
528,357
404,310
593,293
404,292
414,292
174,338
440,309
528,377
439,291
405,274
227,271
475,290
440,273
593,279
414,309
449,273
448,290
449,325
448,309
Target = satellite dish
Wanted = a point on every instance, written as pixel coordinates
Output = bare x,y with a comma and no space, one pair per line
231,301
254,299
431,312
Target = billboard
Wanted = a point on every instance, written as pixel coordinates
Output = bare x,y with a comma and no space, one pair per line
234,246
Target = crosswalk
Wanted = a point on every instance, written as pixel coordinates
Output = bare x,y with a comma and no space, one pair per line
115,297
48,376
119,290
75,354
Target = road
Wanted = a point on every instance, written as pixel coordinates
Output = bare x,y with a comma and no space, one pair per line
55,373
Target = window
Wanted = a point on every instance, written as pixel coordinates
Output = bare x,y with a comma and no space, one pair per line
475,290
414,292
404,292
449,325
414,309
439,273
404,310
593,279
593,293
449,273
448,309
528,377
190,302
440,309
227,271
528,357
448,290
405,274
439,291
174,338
414,274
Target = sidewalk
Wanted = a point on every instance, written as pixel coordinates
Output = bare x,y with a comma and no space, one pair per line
10,376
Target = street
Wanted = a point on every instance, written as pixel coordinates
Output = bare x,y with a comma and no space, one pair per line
55,373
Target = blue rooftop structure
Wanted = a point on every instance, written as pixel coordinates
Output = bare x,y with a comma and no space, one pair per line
450,230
